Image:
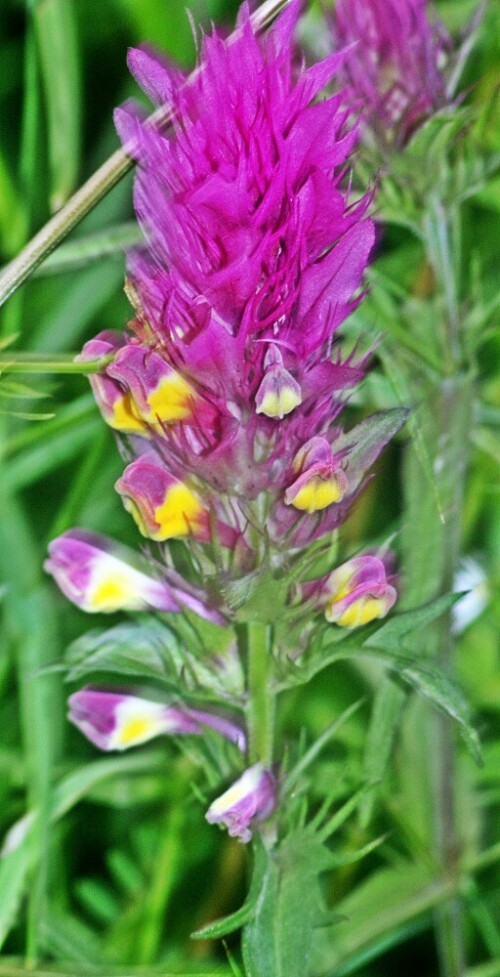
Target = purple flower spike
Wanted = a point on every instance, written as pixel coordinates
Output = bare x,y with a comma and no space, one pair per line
359,591
394,68
250,800
89,571
115,721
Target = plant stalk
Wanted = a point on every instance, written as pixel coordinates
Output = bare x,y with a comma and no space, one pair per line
260,694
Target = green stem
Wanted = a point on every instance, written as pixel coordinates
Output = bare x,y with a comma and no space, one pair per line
260,694
99,184
37,363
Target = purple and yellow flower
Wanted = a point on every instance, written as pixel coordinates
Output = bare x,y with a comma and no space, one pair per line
250,800
227,387
162,506
359,592
89,572
394,68
320,480
255,254
115,721
159,395
114,402
101,577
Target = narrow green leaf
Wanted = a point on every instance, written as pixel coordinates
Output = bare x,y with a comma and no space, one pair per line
56,34
435,685
31,629
327,829
135,649
317,746
366,440
49,454
13,388
351,857
229,924
111,243
62,363
13,219
258,944
27,416
21,854
13,871
390,634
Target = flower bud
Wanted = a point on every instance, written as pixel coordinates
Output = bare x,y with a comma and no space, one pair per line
116,404
115,721
162,506
251,799
321,481
359,592
159,395
89,572
279,393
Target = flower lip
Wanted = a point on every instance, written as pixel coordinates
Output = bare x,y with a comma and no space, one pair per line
279,393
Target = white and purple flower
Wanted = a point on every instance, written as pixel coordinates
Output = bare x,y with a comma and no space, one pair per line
116,721
99,576
250,800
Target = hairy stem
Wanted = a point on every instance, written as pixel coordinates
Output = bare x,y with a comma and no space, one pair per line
260,694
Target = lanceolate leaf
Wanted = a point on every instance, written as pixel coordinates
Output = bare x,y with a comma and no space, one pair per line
279,938
386,644
222,927
368,438
391,634
132,649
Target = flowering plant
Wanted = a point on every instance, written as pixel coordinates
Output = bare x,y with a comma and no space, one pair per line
240,465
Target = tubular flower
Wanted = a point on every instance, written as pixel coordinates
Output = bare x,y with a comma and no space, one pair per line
162,506
226,389
97,580
99,576
115,721
250,800
395,68
358,592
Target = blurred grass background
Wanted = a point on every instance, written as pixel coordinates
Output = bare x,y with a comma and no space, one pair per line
127,867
